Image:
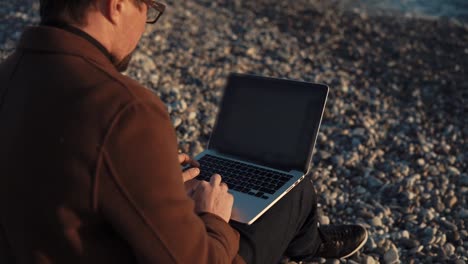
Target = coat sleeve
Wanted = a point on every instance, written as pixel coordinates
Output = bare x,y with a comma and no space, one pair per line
141,193
5,251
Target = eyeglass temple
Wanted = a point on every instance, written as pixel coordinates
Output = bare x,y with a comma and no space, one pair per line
158,6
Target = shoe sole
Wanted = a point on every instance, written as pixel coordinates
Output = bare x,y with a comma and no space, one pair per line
358,247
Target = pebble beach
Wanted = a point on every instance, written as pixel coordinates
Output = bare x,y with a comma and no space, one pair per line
392,152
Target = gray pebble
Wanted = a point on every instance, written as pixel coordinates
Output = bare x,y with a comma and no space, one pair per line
409,243
449,225
373,182
361,190
359,131
463,213
449,249
338,160
463,180
453,171
392,255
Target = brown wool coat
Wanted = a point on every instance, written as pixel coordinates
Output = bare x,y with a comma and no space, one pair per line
88,165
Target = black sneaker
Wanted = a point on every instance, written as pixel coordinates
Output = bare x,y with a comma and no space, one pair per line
341,241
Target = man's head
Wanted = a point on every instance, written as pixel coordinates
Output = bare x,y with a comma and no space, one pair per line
117,24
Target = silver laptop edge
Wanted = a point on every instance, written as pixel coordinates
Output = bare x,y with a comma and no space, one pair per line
318,131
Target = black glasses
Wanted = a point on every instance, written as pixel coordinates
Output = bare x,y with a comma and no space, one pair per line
155,10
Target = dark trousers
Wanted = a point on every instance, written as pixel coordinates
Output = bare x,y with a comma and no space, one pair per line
289,228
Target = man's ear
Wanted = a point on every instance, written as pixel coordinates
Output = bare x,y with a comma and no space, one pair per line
112,10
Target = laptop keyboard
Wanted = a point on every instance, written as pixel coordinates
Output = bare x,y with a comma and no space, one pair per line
242,177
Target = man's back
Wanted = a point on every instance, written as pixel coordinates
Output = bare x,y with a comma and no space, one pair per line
74,186
56,109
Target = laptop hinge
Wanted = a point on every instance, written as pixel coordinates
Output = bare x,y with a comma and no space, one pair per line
256,162
296,172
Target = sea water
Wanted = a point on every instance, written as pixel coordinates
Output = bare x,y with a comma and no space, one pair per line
453,9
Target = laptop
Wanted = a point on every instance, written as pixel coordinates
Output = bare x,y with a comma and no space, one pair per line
263,139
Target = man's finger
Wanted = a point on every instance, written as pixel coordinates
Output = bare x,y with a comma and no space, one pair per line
185,159
194,163
191,186
224,186
215,180
190,174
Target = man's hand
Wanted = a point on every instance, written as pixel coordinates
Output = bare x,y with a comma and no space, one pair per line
189,175
213,197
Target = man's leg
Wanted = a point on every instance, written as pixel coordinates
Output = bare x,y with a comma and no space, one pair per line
288,228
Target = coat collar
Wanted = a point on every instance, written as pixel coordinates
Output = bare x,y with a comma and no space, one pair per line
81,33
52,39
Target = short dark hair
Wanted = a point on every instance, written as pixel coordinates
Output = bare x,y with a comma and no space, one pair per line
51,10
56,9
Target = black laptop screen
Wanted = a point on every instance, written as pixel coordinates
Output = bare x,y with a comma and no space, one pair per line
269,121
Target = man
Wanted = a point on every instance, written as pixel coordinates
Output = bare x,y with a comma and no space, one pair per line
89,166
